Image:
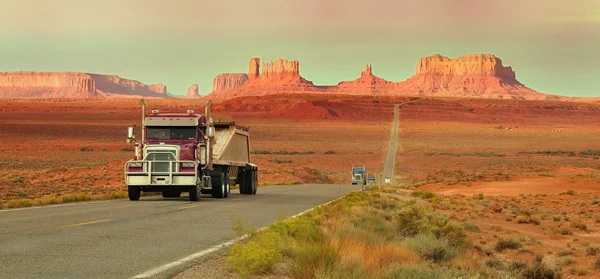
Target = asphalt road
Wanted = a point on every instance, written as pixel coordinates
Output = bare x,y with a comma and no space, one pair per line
390,159
121,238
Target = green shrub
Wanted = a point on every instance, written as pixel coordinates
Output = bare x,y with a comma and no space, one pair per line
505,243
517,266
256,255
579,225
494,263
471,227
431,248
578,271
592,251
425,195
565,261
419,219
568,192
565,253
329,152
19,203
542,268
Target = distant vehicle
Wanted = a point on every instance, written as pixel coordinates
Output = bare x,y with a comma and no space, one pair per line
371,179
188,152
359,175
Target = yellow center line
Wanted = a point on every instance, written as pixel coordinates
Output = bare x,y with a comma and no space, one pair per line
84,223
189,206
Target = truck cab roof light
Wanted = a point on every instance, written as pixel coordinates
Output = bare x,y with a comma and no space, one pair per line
154,111
190,111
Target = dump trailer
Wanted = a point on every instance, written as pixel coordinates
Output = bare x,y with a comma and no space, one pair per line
359,175
188,152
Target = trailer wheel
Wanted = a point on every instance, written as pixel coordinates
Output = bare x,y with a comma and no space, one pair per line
218,186
227,186
243,181
134,193
246,182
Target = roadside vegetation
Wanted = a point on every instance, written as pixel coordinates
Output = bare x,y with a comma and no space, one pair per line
388,234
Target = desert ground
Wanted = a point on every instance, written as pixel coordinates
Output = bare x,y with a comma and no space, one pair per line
508,170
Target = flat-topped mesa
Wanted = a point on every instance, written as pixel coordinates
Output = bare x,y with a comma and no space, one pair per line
192,92
116,86
158,88
254,68
474,64
280,69
110,83
33,85
47,85
225,82
79,82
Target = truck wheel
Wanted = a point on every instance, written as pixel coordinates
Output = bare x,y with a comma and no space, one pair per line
227,186
243,182
134,193
246,183
254,182
218,186
194,192
171,194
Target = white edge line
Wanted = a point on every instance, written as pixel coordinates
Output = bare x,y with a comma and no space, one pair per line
55,205
165,267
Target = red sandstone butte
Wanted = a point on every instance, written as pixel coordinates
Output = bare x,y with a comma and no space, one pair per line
192,92
476,75
367,83
225,82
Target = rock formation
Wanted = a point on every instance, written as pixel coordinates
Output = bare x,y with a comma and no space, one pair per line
226,82
280,69
366,84
275,77
158,88
476,75
254,68
28,85
192,92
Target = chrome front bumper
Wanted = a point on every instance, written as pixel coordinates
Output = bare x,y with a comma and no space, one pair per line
147,177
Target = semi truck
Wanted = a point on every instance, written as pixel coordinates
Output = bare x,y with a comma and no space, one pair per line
188,152
359,175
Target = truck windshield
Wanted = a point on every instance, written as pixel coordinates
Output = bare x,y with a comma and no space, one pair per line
171,133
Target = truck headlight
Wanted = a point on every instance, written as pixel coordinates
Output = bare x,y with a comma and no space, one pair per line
188,165
135,165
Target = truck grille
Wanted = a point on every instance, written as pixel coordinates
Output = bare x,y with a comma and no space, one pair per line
161,156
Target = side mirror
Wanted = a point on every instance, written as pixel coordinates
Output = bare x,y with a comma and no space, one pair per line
130,133
210,132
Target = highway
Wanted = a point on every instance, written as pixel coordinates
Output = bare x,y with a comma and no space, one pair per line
389,164
123,239
390,159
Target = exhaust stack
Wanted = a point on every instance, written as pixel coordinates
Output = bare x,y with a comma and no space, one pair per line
207,112
143,103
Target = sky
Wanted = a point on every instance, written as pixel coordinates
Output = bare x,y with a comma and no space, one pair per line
554,46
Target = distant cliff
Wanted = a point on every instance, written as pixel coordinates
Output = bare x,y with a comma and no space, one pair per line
475,75
29,85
